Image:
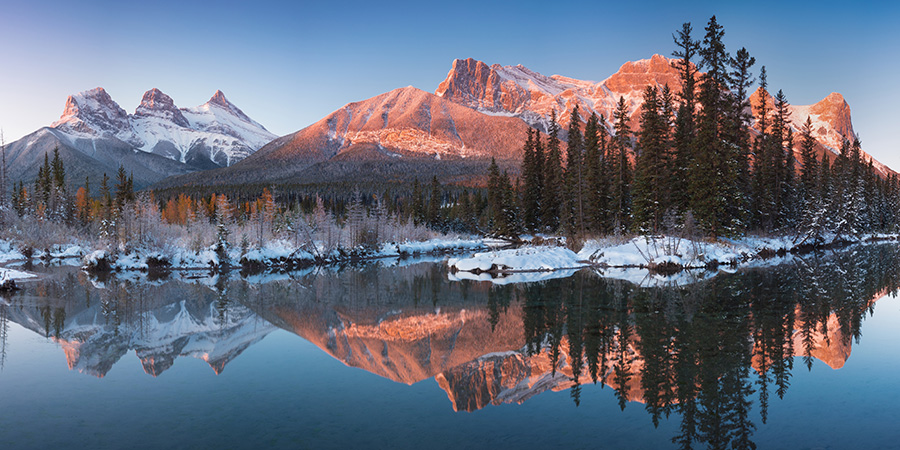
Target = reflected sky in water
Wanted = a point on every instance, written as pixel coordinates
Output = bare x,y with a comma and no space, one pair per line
403,357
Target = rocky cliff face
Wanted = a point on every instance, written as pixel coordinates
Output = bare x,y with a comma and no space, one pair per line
520,92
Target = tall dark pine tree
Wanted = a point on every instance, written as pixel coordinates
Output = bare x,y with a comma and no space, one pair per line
433,215
596,204
808,187
650,170
778,152
737,134
620,170
4,180
553,179
685,126
710,177
763,202
574,177
532,175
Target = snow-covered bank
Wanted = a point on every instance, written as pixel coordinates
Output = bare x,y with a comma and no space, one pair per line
523,259
8,278
278,254
643,260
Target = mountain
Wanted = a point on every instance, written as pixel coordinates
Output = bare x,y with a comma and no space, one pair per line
519,92
478,111
400,134
95,135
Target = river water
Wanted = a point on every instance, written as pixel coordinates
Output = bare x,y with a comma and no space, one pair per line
399,354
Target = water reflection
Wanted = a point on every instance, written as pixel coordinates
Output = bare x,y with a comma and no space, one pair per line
710,354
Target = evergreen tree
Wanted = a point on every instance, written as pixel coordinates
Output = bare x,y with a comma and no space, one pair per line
433,216
685,126
809,169
737,134
784,169
596,198
763,171
4,179
710,177
418,203
553,179
651,163
58,171
573,200
533,177
620,170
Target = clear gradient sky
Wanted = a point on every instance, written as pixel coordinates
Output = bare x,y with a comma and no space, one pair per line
288,64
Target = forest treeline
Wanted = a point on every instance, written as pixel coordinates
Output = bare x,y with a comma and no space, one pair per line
693,158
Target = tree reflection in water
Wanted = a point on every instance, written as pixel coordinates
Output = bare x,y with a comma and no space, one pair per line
703,350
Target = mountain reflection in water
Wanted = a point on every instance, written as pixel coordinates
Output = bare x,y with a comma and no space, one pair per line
707,352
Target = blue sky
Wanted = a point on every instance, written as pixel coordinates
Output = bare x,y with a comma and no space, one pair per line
288,64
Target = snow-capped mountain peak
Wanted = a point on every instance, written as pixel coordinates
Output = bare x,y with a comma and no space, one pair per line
216,133
157,104
92,112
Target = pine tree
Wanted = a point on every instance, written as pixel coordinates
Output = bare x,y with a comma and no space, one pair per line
809,170
418,203
685,126
808,187
533,178
433,215
710,177
651,163
573,199
503,213
620,170
737,134
4,179
595,178
784,170
553,179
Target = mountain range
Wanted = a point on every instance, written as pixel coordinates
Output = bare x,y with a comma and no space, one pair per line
95,135
477,112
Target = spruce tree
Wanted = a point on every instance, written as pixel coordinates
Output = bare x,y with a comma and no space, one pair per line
710,177
533,180
685,127
553,179
620,170
573,199
593,173
433,215
737,135
779,162
809,169
763,175
651,163
808,189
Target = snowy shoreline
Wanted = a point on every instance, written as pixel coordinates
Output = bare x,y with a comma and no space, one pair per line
644,258
274,255
639,259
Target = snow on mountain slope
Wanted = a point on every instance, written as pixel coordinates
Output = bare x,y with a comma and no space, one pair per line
216,132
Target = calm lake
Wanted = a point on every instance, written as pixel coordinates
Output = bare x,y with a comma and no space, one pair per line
397,354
